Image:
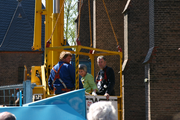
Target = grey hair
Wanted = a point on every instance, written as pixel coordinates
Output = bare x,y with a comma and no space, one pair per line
102,110
83,67
101,57
7,116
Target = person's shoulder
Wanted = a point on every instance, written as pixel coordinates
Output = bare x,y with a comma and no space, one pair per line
57,65
89,75
109,68
68,66
64,64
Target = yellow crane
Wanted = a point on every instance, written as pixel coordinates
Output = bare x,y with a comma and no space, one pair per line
54,44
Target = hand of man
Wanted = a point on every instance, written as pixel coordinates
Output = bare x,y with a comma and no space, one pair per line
107,96
94,93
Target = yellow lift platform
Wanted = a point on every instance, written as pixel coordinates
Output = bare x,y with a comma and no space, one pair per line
44,90
54,41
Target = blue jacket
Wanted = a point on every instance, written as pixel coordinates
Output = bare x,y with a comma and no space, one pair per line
67,75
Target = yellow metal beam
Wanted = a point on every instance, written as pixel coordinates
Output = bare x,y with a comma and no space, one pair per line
44,12
57,31
92,64
34,78
77,70
44,83
104,52
55,38
121,90
120,116
38,90
48,31
37,25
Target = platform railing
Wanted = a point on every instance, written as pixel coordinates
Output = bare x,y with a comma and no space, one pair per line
8,93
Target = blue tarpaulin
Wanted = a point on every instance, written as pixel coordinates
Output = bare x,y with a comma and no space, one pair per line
67,106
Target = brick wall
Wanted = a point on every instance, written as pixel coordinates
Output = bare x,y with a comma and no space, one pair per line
104,35
137,48
164,65
134,73
10,61
84,23
165,70
84,26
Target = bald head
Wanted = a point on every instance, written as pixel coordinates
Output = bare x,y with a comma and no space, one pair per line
7,116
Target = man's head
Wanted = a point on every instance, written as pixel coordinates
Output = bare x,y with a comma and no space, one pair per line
7,116
101,61
65,56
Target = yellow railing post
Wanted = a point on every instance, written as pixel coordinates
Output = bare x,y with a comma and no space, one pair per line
92,64
121,90
77,68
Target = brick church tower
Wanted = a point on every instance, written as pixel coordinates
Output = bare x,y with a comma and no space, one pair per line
148,33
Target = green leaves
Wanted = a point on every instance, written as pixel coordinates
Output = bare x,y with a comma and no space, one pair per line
70,14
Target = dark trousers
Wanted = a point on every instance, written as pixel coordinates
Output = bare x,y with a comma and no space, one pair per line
59,90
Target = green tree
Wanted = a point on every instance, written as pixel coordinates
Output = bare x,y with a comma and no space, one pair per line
70,14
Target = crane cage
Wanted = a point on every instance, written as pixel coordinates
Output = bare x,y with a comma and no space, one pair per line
78,51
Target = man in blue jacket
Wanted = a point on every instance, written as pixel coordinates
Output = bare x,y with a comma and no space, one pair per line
62,76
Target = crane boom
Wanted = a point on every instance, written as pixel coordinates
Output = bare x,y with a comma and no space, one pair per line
54,33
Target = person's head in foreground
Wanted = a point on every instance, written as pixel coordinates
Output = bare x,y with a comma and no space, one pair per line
7,116
102,110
